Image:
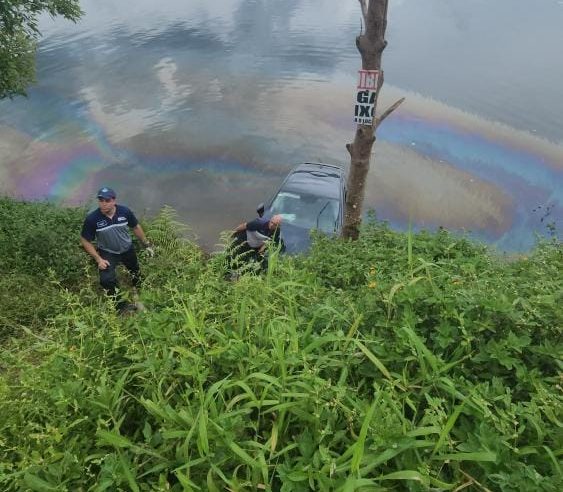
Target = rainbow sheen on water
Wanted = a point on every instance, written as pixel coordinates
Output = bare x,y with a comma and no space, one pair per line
209,116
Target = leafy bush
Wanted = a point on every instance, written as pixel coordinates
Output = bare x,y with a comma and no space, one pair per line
397,362
26,302
36,238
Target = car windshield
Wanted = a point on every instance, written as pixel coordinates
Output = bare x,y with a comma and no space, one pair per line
307,211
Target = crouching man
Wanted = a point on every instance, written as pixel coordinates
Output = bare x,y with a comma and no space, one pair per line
251,238
109,226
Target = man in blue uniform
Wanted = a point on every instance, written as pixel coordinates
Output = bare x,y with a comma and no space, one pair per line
250,240
260,231
109,226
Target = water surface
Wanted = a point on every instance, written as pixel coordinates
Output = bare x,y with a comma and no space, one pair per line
205,106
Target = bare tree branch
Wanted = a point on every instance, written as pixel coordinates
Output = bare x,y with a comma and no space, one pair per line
380,80
387,112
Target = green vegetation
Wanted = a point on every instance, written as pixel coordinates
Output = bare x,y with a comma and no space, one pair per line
18,39
397,362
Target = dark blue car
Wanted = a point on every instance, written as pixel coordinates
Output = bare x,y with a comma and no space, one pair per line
311,197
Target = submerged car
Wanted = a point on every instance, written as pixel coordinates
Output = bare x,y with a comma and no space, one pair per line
310,198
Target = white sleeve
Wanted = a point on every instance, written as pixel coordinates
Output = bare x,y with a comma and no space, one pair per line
255,239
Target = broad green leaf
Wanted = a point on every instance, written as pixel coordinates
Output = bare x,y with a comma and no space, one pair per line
424,355
424,431
360,443
405,475
243,455
129,475
353,329
376,362
448,427
211,485
202,439
364,484
320,341
477,456
440,485
186,482
274,437
264,377
37,484
298,476
113,438
376,460
554,460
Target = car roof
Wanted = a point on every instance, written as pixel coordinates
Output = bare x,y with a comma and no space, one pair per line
315,178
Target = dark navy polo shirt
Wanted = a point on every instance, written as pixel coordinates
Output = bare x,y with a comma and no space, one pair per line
111,235
260,224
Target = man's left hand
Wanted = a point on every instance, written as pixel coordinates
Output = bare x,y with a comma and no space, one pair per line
149,249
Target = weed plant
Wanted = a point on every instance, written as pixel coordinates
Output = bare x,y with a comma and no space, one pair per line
397,362
36,238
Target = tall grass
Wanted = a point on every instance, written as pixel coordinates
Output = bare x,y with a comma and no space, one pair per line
397,362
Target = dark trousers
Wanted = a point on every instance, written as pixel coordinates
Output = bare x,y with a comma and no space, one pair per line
241,252
108,277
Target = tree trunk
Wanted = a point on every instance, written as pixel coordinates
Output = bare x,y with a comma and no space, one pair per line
370,45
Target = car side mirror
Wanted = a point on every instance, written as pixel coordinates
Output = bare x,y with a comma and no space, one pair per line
260,210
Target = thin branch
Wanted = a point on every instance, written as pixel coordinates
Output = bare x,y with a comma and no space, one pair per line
388,111
463,486
467,475
380,80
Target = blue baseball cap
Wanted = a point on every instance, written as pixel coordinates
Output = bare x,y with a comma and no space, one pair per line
106,192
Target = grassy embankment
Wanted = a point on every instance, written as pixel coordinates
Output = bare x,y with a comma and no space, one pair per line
399,362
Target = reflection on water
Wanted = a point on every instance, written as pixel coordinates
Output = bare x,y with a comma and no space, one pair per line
206,105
